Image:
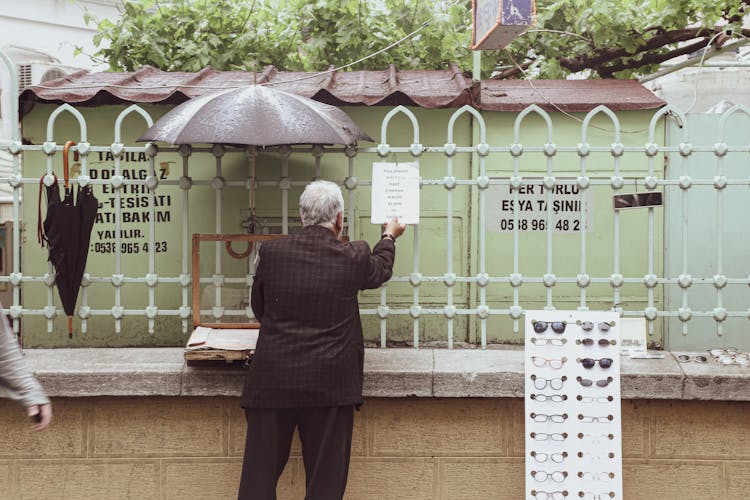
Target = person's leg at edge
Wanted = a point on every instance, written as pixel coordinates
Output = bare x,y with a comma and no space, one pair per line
269,439
326,436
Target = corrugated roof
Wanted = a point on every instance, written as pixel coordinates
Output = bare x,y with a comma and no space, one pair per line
567,95
427,89
424,88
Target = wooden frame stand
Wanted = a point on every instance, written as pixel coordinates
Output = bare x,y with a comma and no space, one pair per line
208,354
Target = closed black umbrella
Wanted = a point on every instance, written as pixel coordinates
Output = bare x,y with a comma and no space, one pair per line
67,231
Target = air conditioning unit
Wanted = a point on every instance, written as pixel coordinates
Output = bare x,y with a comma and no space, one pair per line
38,73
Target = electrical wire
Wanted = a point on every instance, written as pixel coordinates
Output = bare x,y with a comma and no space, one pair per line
332,70
558,108
560,32
700,69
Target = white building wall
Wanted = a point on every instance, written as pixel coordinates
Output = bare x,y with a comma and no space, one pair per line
697,90
50,30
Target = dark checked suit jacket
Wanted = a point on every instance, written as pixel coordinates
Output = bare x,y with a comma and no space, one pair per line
310,350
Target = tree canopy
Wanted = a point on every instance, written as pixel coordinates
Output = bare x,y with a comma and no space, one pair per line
605,38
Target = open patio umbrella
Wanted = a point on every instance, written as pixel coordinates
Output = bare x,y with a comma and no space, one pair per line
67,231
255,115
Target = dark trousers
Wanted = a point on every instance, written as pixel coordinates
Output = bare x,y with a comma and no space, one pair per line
326,436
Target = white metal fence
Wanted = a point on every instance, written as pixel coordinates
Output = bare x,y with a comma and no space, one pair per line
575,271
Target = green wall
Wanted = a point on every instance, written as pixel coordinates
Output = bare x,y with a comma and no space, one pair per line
432,229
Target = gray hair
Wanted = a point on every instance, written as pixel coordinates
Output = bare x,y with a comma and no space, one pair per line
320,204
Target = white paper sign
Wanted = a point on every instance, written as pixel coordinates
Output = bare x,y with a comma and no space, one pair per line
395,192
633,335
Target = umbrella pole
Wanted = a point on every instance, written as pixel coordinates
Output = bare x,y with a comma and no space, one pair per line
70,327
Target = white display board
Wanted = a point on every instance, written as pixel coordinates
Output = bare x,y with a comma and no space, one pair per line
395,192
573,418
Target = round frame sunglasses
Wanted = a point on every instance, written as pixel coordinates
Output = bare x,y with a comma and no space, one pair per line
588,326
557,326
589,363
588,341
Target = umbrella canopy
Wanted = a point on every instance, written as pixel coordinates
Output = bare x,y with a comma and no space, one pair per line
255,116
67,231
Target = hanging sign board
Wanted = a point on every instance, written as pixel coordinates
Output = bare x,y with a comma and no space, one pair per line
497,22
637,200
395,192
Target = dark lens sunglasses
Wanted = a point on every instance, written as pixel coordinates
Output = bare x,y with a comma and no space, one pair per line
602,342
591,362
684,358
541,326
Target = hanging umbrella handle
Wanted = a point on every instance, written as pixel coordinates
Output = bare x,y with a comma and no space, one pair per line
39,227
66,171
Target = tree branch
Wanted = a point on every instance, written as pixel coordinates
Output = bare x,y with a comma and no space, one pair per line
608,71
604,55
511,72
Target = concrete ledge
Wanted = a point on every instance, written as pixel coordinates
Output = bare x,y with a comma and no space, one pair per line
108,372
654,378
474,373
398,373
394,373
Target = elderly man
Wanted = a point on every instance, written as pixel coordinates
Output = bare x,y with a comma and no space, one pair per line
307,369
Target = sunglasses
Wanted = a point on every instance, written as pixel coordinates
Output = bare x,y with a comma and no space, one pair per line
543,436
541,326
549,495
589,341
596,476
603,327
557,476
541,418
553,363
684,358
544,457
591,362
593,399
540,341
554,383
591,419
554,398
587,382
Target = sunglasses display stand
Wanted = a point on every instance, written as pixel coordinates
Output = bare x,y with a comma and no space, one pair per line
572,406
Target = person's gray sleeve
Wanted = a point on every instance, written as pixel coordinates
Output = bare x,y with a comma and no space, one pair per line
15,376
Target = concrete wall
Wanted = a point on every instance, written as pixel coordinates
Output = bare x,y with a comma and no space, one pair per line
430,448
